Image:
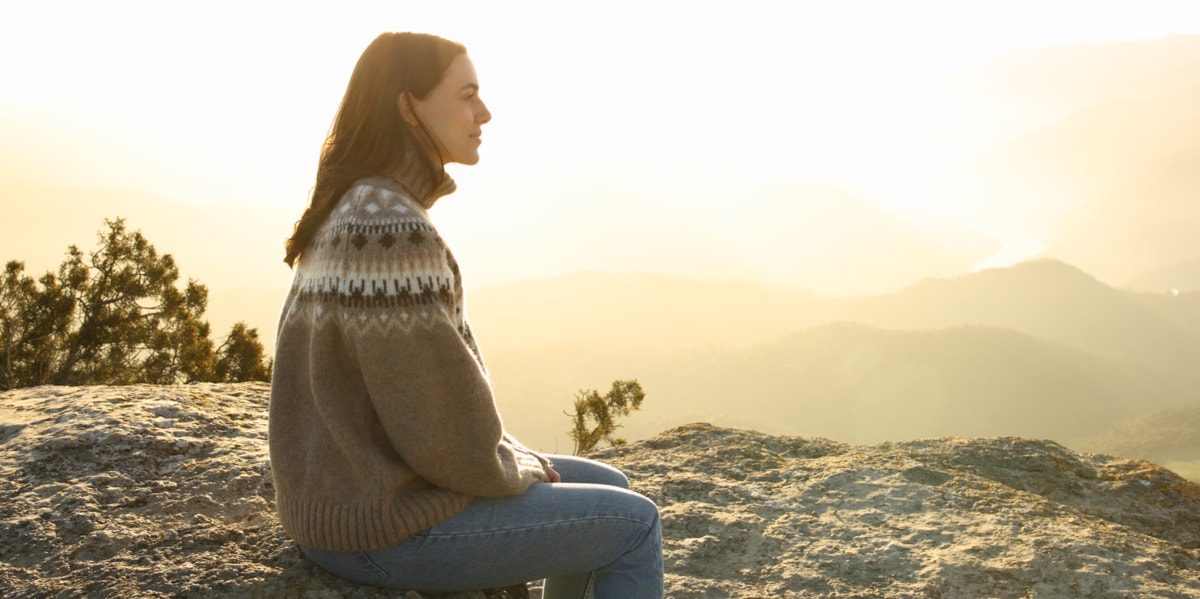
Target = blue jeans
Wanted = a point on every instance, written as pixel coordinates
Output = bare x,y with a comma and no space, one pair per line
588,530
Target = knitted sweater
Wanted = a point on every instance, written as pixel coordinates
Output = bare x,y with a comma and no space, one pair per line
382,421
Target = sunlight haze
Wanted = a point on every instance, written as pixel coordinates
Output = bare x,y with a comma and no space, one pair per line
900,199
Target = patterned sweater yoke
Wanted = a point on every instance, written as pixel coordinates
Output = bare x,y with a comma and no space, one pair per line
380,258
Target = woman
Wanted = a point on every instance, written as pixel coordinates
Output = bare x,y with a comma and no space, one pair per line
391,464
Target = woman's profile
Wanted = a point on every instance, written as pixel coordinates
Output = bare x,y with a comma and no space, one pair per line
391,464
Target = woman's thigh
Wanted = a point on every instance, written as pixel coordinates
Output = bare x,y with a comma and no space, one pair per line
550,530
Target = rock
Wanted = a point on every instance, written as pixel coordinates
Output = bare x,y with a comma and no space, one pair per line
752,515
148,491
166,492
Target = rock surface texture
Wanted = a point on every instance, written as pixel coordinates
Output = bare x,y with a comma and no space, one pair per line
166,492
752,515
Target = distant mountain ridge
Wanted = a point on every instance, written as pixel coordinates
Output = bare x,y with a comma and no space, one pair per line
1037,179
1090,149
1066,353
848,381
1145,221
1176,278
1045,298
1163,435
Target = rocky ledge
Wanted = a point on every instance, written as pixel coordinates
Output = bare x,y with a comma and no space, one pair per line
166,492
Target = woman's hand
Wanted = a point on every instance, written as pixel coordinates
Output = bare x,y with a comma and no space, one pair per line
552,475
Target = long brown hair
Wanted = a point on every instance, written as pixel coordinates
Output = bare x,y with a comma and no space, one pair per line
369,137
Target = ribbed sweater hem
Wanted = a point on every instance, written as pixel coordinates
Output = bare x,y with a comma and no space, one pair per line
366,526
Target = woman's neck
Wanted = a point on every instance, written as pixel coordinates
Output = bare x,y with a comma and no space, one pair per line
415,176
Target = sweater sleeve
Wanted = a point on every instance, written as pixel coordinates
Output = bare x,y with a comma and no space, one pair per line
545,461
437,409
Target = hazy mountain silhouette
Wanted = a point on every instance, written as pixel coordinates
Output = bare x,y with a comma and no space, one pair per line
1045,299
1035,180
1147,220
1181,311
1027,125
1168,436
1037,349
1181,277
847,381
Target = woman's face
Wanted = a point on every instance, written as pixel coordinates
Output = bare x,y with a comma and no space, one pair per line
454,113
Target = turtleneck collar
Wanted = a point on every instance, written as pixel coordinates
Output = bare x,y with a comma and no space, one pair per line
411,175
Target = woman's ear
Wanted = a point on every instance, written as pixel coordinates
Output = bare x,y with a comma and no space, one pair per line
404,103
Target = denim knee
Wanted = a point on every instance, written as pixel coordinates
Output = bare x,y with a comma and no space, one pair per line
575,469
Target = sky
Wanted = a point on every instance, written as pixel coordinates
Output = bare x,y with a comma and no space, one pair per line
229,101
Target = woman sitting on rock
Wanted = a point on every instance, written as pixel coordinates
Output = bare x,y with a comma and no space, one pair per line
391,465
